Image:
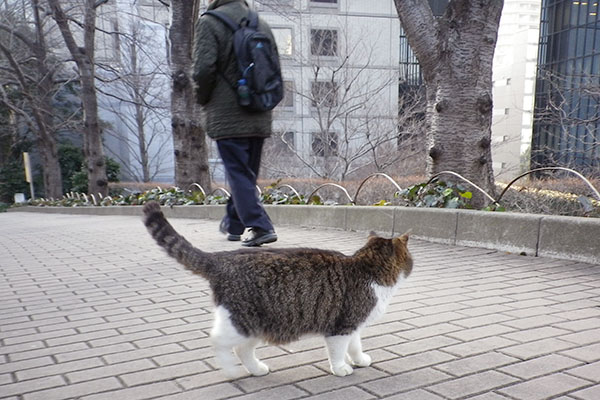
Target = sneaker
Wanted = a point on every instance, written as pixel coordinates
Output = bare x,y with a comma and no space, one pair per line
230,236
259,237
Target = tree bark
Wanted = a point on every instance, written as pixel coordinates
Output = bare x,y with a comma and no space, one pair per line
189,139
53,184
455,52
84,59
40,102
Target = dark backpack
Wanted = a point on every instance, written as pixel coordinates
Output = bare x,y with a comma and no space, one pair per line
259,85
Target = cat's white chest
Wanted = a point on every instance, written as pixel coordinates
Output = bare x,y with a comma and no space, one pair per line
384,295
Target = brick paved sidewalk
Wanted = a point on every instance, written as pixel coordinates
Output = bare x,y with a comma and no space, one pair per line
90,308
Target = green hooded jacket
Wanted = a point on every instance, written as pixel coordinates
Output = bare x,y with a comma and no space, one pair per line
214,58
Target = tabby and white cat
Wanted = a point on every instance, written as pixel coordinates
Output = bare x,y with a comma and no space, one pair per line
279,295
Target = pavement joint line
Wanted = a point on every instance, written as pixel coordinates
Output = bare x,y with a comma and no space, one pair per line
548,309
559,237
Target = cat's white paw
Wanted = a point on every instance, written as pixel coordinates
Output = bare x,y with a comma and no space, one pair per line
341,370
362,360
233,373
260,369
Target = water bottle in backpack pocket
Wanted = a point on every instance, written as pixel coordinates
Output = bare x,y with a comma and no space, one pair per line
259,85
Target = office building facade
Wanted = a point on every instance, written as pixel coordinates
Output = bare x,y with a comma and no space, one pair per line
567,115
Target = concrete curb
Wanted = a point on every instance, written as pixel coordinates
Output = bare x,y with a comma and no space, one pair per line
571,238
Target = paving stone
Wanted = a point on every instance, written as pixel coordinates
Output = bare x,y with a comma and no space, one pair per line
545,387
45,351
109,370
589,353
415,361
122,338
48,337
578,325
116,307
480,332
534,322
478,346
490,396
25,364
142,353
434,319
482,320
418,346
584,337
429,331
216,392
21,388
58,369
5,379
590,372
418,394
158,390
344,394
329,382
473,364
529,335
540,366
93,352
287,376
163,373
537,348
591,393
472,384
405,382
287,392
75,390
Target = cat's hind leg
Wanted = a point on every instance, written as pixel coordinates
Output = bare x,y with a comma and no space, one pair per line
337,346
225,338
246,353
355,353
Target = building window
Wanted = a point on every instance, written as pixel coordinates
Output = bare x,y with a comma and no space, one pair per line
283,39
323,42
324,144
289,90
323,2
324,94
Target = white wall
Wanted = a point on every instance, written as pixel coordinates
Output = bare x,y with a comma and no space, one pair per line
514,75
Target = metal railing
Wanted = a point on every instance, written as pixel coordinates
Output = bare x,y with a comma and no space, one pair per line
91,199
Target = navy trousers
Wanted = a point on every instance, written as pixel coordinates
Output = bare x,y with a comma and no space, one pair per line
241,158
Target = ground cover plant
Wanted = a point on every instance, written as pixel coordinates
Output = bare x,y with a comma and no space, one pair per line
551,197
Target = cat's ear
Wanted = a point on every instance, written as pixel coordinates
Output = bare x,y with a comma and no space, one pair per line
403,238
372,234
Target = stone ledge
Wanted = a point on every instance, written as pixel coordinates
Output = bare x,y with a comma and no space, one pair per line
570,238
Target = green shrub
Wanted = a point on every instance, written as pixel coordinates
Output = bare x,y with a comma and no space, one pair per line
13,181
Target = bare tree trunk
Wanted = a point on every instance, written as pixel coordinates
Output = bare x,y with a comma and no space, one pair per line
189,139
84,58
41,105
455,52
139,113
48,149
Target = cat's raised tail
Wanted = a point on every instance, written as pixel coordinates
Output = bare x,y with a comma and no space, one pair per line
176,245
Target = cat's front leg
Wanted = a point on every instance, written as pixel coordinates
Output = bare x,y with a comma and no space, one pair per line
355,353
337,346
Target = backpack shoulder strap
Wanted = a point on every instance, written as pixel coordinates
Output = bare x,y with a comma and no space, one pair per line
224,18
252,19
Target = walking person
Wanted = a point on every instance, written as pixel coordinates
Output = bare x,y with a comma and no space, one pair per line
238,131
